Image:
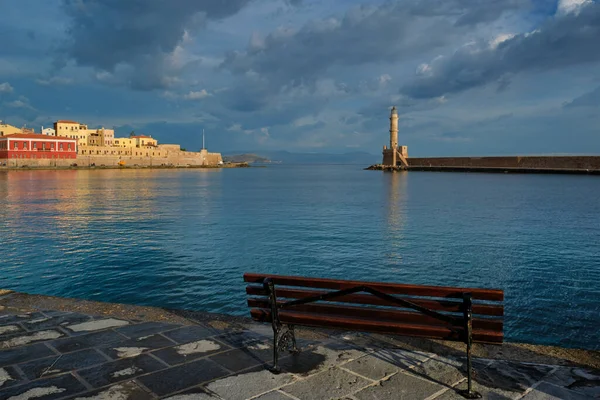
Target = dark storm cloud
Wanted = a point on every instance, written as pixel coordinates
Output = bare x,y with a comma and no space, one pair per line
561,42
139,33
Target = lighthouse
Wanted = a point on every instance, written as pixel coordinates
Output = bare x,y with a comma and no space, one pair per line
394,153
394,133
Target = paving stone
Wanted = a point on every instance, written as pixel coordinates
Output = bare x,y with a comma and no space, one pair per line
197,393
182,377
69,344
13,318
548,391
313,360
242,338
129,390
442,370
486,393
398,387
54,313
189,334
402,358
23,354
511,376
54,321
58,364
190,351
274,395
21,340
134,347
238,359
332,383
582,380
116,371
243,386
145,329
46,389
10,330
371,367
9,377
95,325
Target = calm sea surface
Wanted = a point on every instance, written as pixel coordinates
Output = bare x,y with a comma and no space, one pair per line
183,238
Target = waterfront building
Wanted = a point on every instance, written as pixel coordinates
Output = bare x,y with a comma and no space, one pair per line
395,154
6,129
32,146
48,131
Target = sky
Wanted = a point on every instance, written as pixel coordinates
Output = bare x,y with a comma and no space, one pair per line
469,77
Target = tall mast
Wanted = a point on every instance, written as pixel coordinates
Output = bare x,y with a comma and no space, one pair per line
203,140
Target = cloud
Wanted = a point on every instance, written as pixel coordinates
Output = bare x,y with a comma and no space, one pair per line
140,36
589,99
55,80
570,6
6,88
197,95
561,42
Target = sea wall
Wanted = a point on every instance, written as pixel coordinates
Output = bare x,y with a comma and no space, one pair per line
100,158
525,162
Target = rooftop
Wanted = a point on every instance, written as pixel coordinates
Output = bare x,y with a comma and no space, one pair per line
36,136
141,137
66,121
63,349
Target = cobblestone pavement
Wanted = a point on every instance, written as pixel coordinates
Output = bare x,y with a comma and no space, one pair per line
69,355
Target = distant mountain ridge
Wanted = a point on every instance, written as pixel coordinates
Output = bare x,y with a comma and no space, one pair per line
245,157
286,157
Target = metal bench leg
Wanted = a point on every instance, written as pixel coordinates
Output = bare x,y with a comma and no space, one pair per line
269,286
468,315
295,348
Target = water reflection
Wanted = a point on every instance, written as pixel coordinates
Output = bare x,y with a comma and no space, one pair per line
396,197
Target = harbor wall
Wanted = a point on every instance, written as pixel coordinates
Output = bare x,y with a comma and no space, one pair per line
520,162
99,158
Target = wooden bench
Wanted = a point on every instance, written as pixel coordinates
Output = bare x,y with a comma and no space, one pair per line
459,314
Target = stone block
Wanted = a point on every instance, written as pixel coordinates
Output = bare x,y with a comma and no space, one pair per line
95,325
582,380
14,318
196,393
20,339
9,377
120,370
23,354
86,341
55,321
182,377
50,366
189,334
372,367
548,391
249,384
237,360
134,347
399,387
331,383
510,376
122,391
47,389
242,338
9,331
315,359
145,329
442,370
189,351
274,395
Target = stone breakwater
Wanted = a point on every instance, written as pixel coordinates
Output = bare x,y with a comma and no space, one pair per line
514,164
57,348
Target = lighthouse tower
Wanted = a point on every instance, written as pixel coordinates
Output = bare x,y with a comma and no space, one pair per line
395,153
394,134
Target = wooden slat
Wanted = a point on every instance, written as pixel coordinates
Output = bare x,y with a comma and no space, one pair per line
439,305
390,288
327,321
379,314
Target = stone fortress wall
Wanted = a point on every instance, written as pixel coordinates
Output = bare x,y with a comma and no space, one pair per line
533,162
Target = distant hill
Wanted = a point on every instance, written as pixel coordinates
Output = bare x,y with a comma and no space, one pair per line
286,157
246,157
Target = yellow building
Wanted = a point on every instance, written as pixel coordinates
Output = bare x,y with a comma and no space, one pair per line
73,130
144,141
6,129
124,142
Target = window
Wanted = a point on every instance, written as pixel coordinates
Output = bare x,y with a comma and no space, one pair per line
69,146
43,146
34,146
16,145
52,146
60,146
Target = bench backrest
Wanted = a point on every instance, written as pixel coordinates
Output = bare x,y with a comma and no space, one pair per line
415,312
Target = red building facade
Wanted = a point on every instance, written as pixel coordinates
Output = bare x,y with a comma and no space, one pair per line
34,146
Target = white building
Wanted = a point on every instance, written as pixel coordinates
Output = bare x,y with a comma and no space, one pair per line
48,131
